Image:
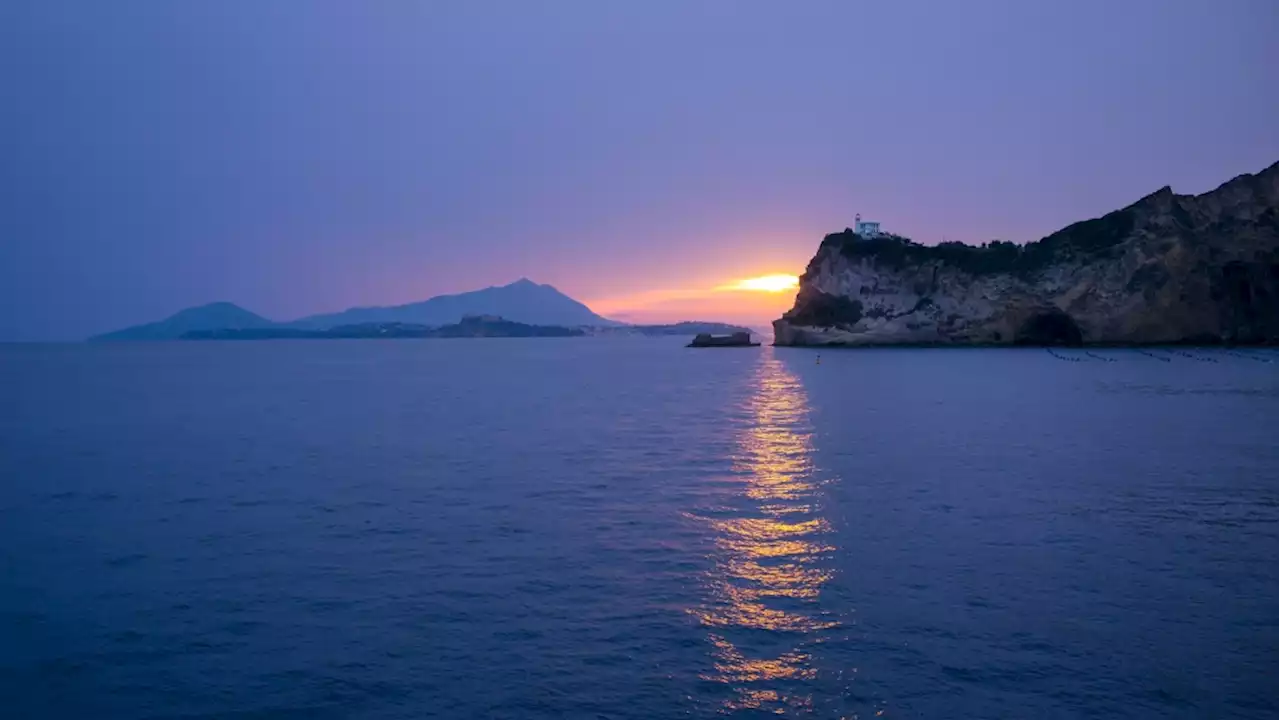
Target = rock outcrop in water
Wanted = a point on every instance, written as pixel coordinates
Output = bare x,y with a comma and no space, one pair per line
1167,269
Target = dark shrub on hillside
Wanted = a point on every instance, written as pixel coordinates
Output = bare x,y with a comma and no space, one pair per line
1083,239
818,309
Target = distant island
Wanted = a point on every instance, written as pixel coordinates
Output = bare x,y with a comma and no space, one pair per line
211,317
692,327
520,309
1198,269
472,326
523,301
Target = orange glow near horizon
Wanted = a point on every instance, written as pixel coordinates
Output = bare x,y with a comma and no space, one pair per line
765,283
756,299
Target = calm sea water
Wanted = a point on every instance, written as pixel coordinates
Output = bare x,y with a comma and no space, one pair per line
591,528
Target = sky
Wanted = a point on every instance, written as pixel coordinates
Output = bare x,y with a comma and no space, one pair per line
297,157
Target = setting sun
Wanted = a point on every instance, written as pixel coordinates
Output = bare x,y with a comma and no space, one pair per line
766,283
758,299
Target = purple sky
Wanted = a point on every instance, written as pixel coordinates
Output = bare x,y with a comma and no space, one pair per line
298,157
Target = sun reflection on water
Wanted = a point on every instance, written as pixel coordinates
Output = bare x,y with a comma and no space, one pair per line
761,597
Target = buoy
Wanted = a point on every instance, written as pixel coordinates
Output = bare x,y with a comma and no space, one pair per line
817,360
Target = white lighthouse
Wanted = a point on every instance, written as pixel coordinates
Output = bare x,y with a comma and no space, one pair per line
865,228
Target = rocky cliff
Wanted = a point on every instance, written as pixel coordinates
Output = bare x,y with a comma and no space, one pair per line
1167,269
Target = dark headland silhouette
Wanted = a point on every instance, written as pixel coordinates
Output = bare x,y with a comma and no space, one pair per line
1168,269
520,309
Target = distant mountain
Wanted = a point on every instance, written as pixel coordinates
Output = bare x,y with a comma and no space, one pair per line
468,327
214,316
523,301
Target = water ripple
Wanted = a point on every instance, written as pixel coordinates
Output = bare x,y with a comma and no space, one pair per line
769,571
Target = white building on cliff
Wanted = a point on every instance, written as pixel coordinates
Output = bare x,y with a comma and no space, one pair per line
865,228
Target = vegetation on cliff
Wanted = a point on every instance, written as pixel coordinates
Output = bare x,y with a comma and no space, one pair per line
1089,238
818,309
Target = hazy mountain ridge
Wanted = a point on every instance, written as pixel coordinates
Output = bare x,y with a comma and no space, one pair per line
211,316
1167,269
522,301
471,327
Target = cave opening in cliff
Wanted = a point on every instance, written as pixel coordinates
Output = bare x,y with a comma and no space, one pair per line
1053,327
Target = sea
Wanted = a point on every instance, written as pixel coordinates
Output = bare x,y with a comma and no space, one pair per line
609,528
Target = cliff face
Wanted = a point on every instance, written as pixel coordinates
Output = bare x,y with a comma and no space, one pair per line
1167,269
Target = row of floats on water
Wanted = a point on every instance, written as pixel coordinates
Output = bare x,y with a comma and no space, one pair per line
1161,354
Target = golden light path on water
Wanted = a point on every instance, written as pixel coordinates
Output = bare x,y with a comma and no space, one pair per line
767,576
